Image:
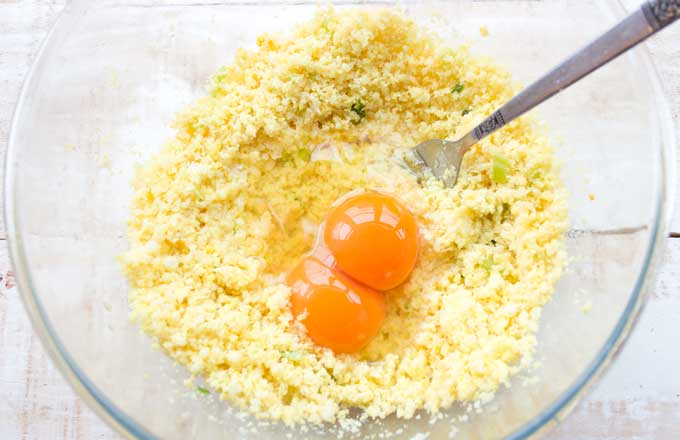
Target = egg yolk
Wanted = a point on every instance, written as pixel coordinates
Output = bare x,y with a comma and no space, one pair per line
338,313
373,238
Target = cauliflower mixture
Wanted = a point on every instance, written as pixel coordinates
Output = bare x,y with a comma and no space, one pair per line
234,200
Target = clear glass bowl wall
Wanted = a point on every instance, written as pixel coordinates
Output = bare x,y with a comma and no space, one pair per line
100,99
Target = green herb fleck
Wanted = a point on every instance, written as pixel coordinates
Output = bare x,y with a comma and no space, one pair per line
286,157
459,88
291,355
219,77
493,242
465,112
305,154
488,263
535,173
202,390
216,82
360,109
500,169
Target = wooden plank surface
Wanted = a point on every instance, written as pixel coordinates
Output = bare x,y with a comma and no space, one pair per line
638,398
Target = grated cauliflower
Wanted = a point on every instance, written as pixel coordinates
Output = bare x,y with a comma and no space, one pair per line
233,201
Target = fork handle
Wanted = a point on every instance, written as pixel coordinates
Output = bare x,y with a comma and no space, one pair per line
651,17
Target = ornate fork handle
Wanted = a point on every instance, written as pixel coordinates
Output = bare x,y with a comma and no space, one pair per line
661,13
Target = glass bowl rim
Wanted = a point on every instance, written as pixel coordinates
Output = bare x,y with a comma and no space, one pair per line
125,424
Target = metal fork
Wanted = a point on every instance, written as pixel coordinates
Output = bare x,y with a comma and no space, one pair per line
443,158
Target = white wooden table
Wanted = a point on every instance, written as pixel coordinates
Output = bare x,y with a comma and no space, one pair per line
638,398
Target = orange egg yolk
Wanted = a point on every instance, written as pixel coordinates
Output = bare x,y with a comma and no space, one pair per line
373,238
338,312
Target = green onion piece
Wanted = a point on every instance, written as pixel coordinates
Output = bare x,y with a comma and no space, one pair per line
202,390
286,157
465,112
459,88
488,263
305,154
360,109
535,173
500,169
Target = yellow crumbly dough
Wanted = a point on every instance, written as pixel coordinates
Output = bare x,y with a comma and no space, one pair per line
233,202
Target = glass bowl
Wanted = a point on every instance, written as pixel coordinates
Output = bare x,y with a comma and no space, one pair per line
101,95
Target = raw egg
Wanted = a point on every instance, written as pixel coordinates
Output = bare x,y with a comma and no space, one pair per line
373,238
338,312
